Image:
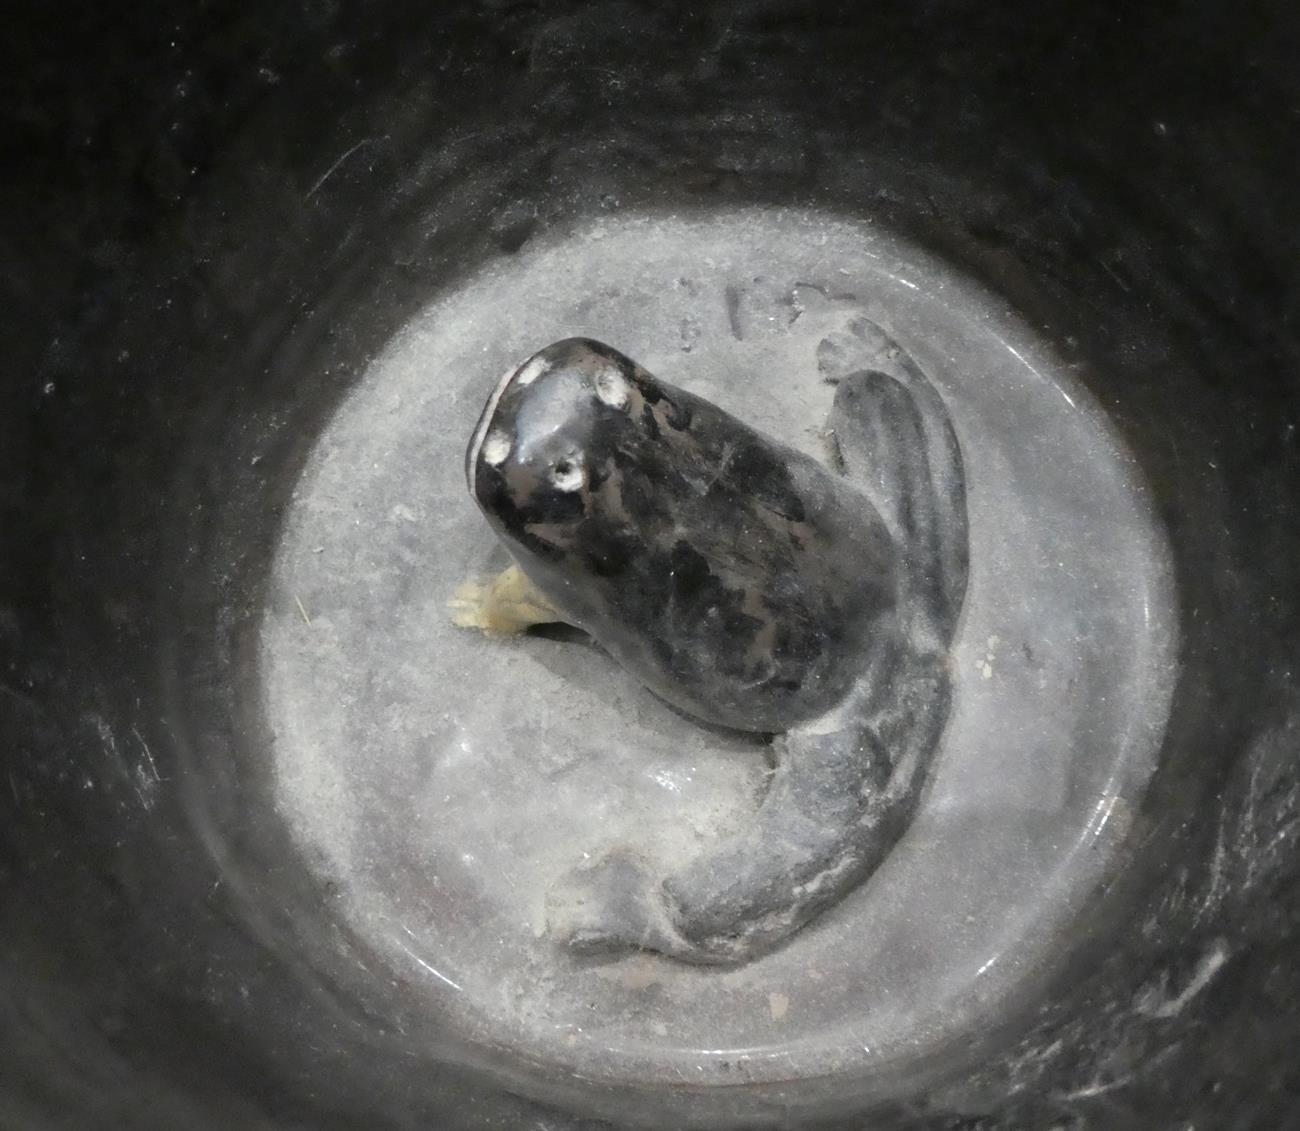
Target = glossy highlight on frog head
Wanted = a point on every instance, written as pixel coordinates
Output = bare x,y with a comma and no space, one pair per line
542,445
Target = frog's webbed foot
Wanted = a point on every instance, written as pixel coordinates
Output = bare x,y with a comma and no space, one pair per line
504,605
859,344
613,903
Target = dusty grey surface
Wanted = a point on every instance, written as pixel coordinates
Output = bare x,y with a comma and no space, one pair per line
442,780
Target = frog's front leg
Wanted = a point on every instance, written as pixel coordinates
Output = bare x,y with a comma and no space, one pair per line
505,605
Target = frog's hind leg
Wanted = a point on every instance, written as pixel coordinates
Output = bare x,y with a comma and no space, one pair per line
504,605
894,440
844,791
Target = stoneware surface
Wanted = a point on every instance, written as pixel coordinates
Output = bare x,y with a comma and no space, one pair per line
274,836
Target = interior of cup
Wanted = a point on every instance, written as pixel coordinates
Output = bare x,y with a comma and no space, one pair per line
278,834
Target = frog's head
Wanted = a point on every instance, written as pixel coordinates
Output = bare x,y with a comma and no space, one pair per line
546,461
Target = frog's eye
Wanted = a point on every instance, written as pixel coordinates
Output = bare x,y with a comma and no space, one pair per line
568,474
612,387
496,446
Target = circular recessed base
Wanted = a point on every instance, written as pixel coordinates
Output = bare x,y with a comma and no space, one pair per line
442,780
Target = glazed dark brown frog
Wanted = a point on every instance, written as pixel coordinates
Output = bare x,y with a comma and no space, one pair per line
753,587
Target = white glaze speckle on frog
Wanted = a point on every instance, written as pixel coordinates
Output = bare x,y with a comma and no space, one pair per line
749,586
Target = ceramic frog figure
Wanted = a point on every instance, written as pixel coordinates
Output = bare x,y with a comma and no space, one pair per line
752,587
